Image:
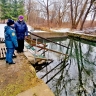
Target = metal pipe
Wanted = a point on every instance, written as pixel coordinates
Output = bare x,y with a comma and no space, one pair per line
52,69
56,74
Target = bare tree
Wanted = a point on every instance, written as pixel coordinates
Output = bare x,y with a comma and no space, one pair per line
85,16
93,12
61,8
46,6
79,11
28,8
32,11
77,8
59,12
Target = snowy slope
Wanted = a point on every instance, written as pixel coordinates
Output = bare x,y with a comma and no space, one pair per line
2,29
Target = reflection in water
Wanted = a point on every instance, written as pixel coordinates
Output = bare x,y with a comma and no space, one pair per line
76,75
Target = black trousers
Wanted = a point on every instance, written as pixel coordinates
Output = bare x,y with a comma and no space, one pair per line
20,45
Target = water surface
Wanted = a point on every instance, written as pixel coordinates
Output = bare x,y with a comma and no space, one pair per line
76,75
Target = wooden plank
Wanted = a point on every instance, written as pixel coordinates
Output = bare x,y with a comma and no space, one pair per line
3,53
42,58
34,42
48,49
2,40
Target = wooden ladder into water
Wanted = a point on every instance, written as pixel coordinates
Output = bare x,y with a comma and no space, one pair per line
39,58
42,47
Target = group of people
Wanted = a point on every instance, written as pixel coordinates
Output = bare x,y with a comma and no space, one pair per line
15,33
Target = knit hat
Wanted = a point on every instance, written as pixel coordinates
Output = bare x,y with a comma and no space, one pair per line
21,17
10,22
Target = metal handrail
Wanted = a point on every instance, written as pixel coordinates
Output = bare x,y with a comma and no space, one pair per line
47,39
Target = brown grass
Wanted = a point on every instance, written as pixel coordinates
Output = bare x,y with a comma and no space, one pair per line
44,27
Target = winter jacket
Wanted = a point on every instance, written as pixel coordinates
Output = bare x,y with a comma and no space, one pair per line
21,30
10,37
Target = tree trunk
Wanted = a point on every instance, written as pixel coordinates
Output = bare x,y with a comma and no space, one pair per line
82,23
93,18
47,14
71,7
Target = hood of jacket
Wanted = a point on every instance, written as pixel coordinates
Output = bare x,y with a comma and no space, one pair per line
6,28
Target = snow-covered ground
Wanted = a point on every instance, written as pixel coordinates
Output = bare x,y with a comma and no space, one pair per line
30,28
38,31
55,30
89,30
2,29
61,30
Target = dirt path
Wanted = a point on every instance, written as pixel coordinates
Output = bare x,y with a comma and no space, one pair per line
20,79
17,77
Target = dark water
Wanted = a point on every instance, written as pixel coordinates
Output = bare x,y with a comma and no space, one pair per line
76,75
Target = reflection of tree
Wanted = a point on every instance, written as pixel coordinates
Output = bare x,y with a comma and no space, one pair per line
88,56
80,65
77,86
62,82
58,48
84,72
94,87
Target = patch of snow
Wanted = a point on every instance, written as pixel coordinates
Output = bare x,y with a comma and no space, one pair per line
79,31
30,28
38,31
61,30
2,29
90,30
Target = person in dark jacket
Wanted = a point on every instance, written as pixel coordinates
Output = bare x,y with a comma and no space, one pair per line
21,32
10,41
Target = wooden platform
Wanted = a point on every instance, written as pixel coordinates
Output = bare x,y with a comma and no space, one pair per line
2,40
3,51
